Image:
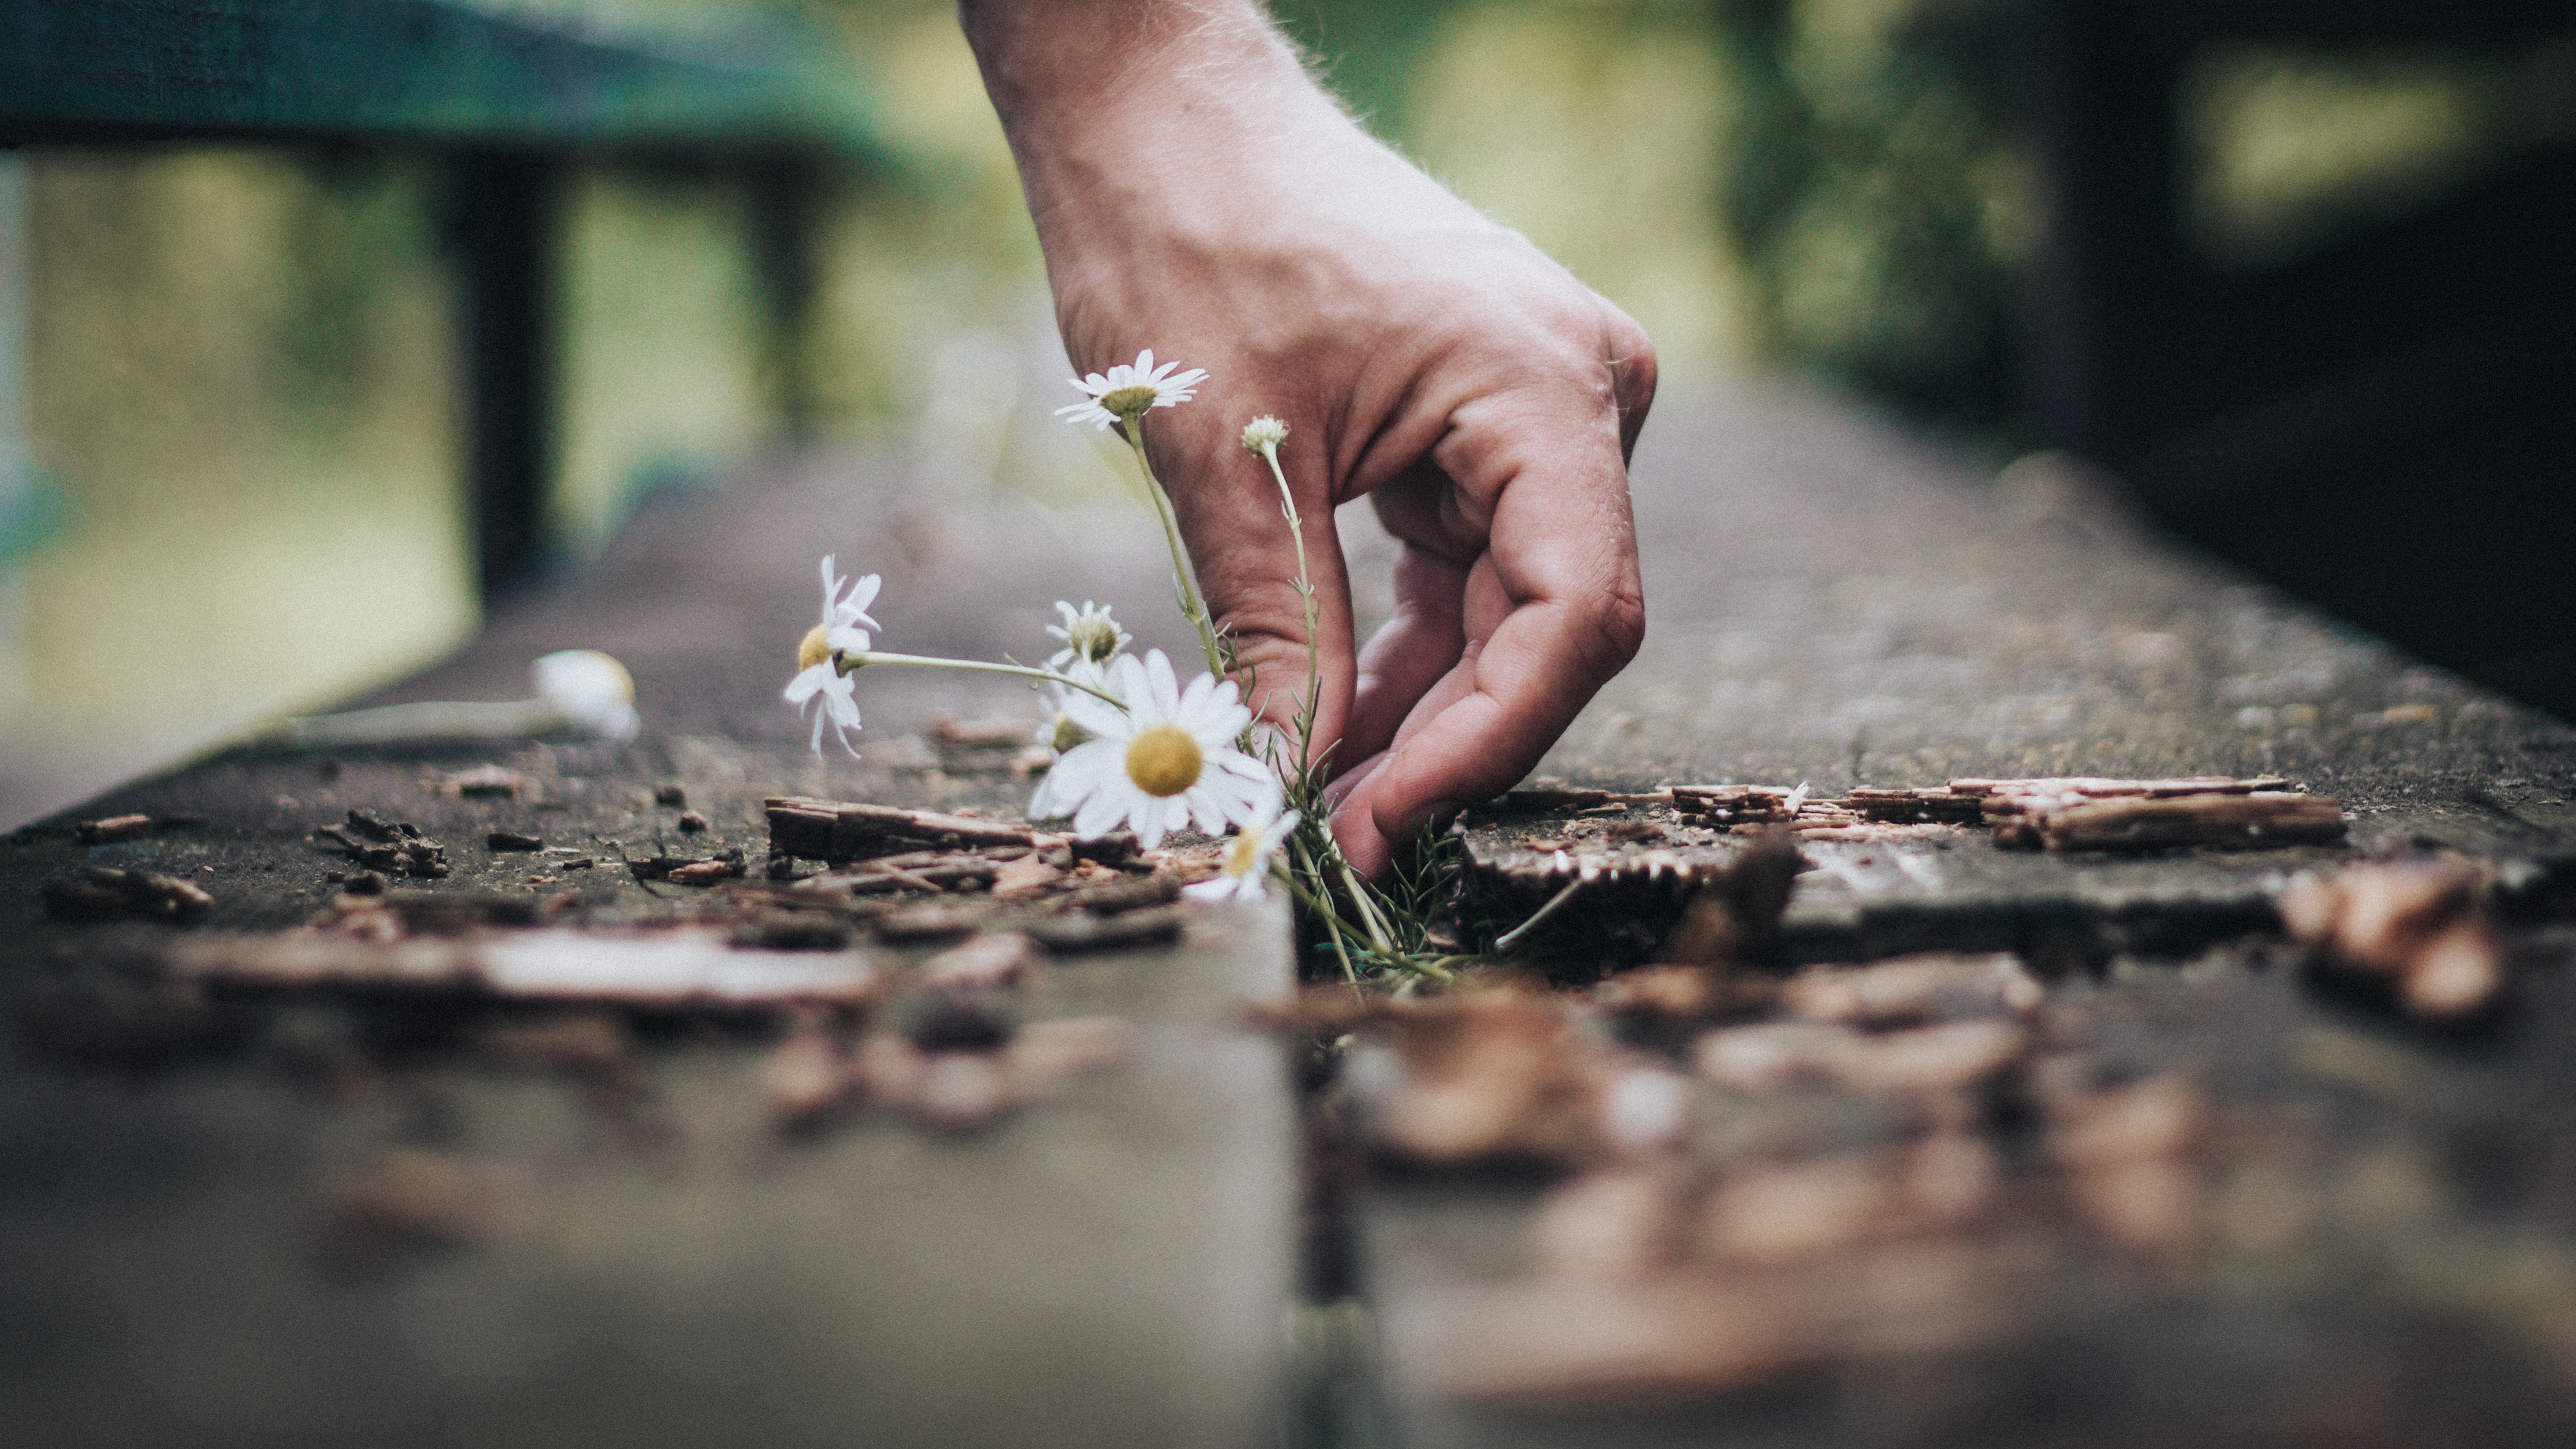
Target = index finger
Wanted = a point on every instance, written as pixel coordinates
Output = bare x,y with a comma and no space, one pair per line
1553,609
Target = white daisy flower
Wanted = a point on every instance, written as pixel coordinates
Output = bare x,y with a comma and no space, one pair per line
1167,760
819,677
1090,636
1126,389
1057,731
1247,861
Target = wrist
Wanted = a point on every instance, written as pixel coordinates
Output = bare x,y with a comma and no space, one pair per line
1117,108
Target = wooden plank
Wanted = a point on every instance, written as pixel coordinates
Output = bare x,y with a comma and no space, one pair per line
391,1211
412,69
1742,1227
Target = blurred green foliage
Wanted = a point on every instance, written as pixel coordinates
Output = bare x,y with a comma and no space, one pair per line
242,380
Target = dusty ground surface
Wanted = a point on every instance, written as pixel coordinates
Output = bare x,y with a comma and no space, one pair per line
2193,1182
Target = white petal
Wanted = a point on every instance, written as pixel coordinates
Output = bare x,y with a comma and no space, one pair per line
1097,716
1104,812
1166,690
802,687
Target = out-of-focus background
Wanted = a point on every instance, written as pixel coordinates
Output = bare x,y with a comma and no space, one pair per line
235,462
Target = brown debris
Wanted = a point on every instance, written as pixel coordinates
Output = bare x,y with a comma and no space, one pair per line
513,840
2420,927
1487,1075
1002,959
1927,805
832,830
689,870
933,920
1736,915
1782,1213
706,872
1685,994
104,893
671,792
1907,990
2085,813
1030,875
393,847
112,829
2129,1152
921,870
806,1078
1569,1344
1918,1061
958,1070
692,823
793,931
483,782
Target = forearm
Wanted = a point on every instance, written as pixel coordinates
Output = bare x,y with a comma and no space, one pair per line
1164,124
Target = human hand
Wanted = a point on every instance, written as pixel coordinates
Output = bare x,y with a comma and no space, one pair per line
1196,194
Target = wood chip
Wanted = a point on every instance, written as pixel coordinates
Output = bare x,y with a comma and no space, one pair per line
113,828
513,840
2247,821
103,893
835,830
2418,927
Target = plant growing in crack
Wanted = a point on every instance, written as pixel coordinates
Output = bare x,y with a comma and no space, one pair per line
1138,749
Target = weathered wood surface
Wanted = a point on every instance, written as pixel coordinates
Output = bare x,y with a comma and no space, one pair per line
2345,1233
400,1212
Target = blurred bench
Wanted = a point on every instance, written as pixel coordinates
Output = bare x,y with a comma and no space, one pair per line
508,100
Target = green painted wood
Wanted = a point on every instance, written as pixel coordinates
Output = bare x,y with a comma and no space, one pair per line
106,69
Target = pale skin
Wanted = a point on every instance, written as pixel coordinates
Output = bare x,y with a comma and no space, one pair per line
1198,194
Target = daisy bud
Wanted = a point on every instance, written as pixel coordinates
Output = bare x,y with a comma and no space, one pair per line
1264,433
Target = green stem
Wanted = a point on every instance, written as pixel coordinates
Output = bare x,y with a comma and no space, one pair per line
1191,604
876,658
1332,923
1306,592
1368,912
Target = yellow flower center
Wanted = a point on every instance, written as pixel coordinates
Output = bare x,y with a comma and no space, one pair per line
1245,856
1127,402
1163,760
813,650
